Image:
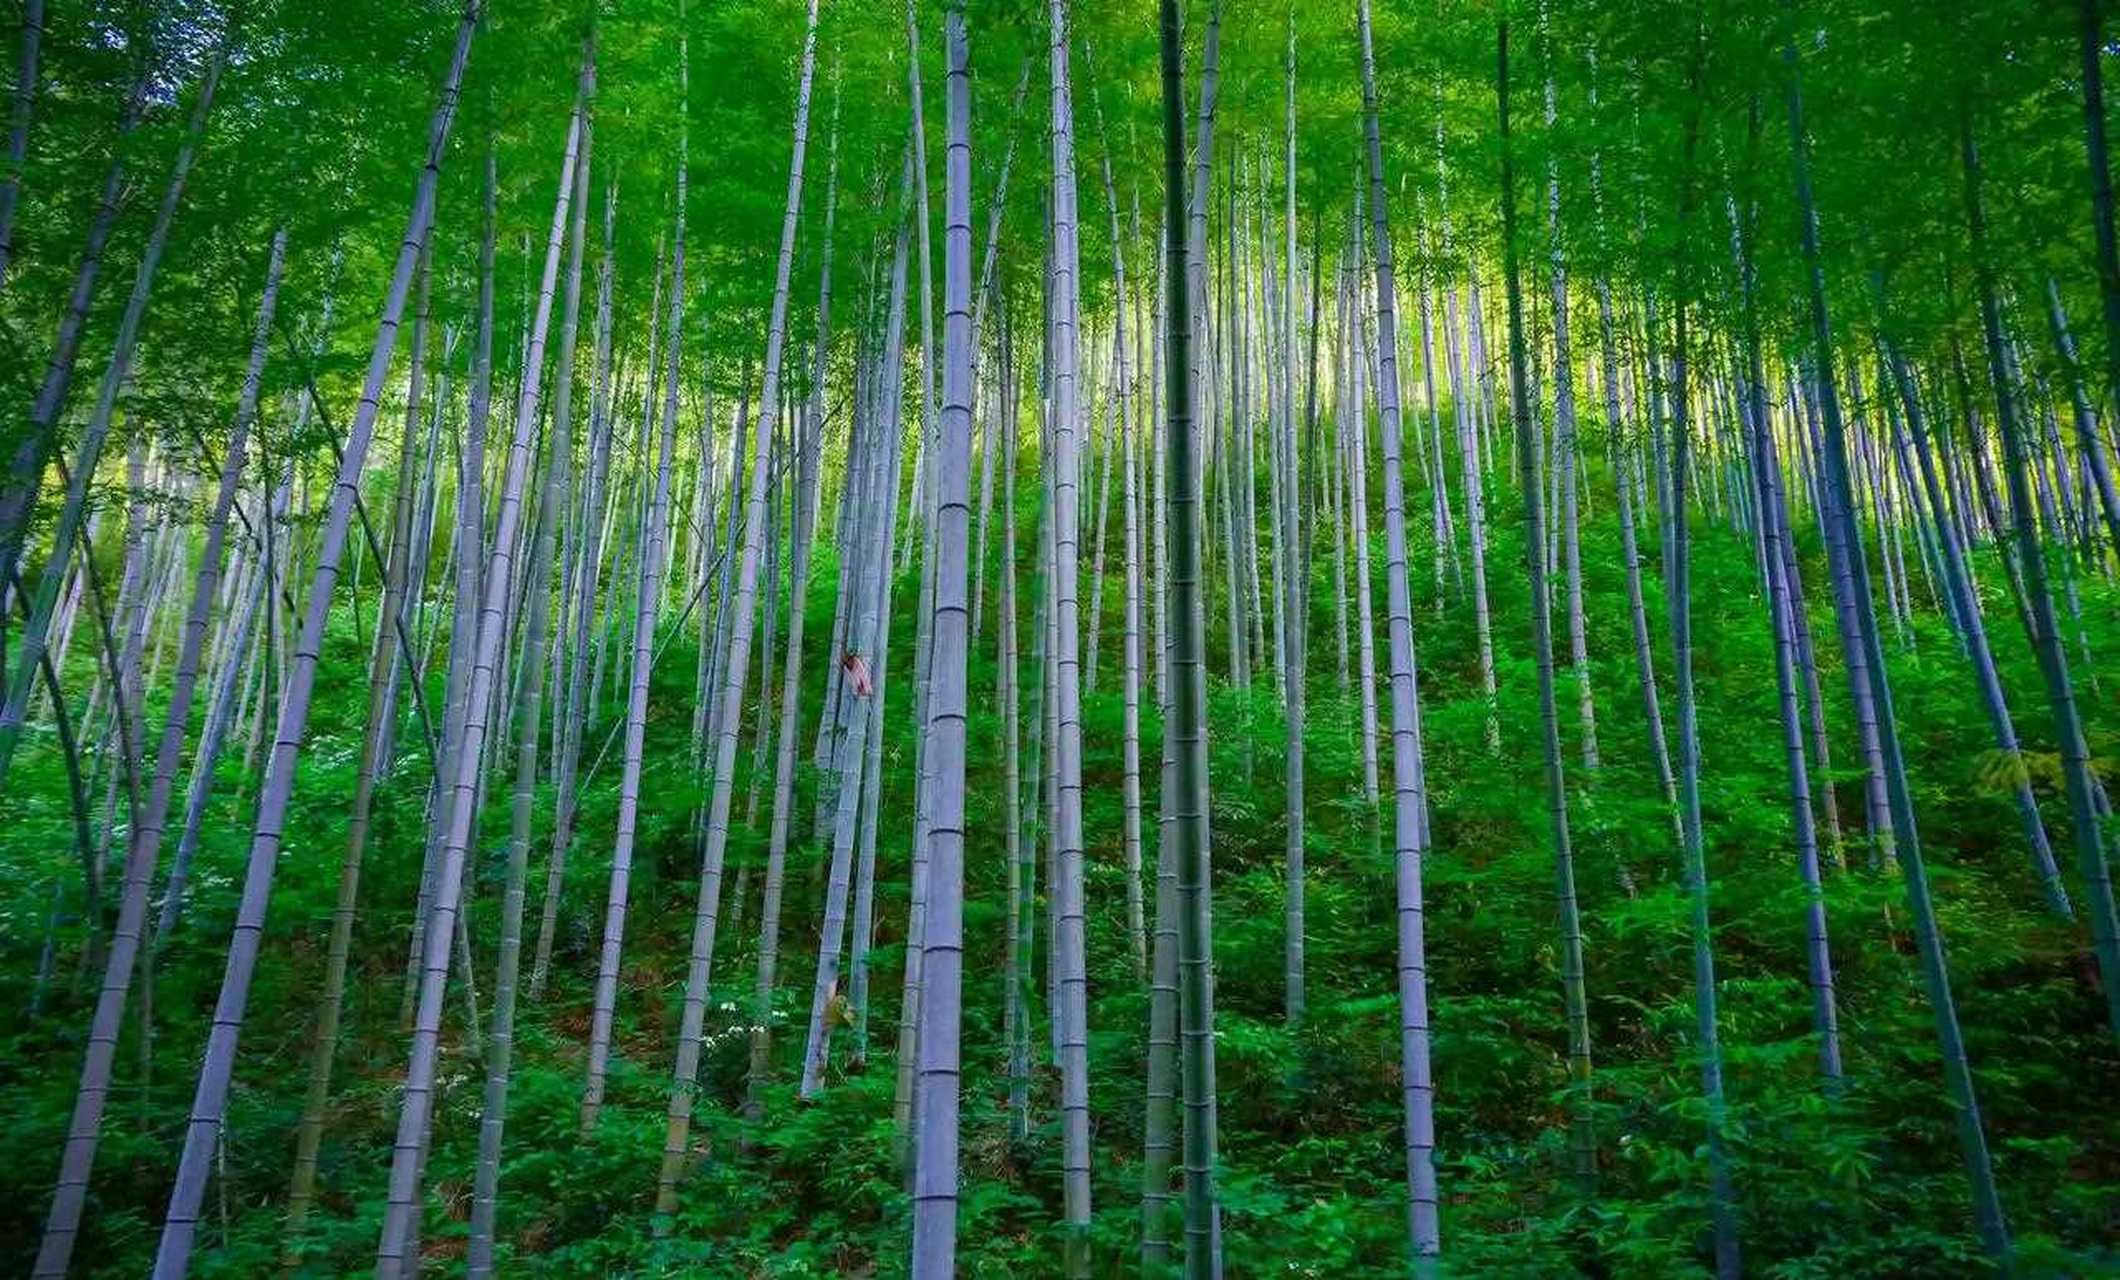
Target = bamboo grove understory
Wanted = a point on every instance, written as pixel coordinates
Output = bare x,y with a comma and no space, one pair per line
876,642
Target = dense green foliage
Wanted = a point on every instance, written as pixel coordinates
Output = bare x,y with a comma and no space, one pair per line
319,130
1862,1184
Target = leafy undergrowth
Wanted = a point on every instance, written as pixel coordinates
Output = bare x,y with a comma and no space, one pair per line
1862,1181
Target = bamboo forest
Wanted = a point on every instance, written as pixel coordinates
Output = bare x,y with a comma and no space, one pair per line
993,638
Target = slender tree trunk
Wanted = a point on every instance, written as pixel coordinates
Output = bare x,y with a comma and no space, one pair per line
1840,556
1159,1137
1103,488
1187,725
581,583
1017,959
1630,556
983,290
1409,783
1807,665
942,936
467,552
1564,446
1069,942
1046,657
654,529
870,804
1159,1140
712,649
809,469
1295,580
537,587
1358,497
